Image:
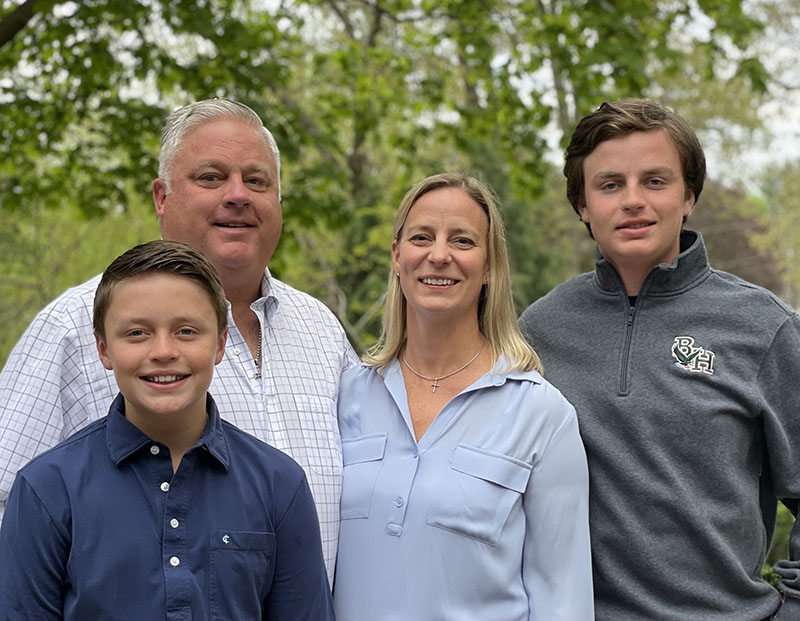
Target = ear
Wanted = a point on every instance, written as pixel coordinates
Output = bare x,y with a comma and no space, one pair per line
688,203
102,351
159,197
583,211
223,338
395,257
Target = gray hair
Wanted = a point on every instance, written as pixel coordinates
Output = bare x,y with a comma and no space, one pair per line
185,118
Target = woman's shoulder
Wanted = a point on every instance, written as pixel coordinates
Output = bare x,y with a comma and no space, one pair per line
360,373
537,394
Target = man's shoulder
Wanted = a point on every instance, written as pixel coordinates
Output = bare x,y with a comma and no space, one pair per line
67,457
561,296
753,298
75,299
288,296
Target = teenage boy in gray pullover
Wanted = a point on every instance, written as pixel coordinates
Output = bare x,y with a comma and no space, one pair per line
686,381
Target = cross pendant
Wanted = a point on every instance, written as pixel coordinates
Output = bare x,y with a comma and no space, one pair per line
435,384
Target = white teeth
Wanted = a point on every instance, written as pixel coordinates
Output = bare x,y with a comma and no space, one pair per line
438,281
235,225
163,379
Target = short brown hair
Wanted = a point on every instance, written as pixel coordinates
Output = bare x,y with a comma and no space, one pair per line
623,117
160,257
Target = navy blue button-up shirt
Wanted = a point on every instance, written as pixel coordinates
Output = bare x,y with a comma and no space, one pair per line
99,527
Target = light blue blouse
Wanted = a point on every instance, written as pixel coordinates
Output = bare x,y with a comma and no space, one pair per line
486,518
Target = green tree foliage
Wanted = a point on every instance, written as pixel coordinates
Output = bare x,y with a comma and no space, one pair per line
364,96
47,250
414,88
782,210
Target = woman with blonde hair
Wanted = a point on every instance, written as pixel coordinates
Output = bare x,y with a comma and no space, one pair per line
465,487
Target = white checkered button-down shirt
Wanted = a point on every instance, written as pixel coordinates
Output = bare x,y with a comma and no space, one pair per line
53,384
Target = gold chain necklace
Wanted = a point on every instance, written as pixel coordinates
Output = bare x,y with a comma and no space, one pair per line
436,380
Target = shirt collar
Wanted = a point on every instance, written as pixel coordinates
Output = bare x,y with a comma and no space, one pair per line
690,265
268,302
495,376
124,439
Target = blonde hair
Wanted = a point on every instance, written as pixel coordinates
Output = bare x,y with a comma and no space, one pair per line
496,316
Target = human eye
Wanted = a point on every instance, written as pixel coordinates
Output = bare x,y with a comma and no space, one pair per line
609,186
209,178
135,333
187,331
419,238
464,242
656,182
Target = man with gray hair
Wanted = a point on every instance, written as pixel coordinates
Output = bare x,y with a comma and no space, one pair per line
218,191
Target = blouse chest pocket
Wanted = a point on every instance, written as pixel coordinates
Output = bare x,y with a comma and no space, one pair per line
241,565
362,458
478,492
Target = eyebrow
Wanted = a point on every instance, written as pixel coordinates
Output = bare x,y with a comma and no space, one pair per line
247,168
664,171
145,320
426,228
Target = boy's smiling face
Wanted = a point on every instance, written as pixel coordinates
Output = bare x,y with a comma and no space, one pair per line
162,342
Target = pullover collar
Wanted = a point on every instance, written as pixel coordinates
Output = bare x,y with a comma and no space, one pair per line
688,268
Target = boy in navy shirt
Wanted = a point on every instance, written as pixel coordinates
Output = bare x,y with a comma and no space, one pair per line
162,510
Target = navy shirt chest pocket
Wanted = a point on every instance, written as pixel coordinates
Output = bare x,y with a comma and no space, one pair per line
362,458
477,493
241,565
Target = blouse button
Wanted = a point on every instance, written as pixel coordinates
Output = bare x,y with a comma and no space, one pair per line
398,501
155,450
174,561
165,487
174,523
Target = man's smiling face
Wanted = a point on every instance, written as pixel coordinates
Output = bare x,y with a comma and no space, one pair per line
223,199
635,199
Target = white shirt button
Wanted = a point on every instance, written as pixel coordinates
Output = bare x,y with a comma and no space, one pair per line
165,486
174,523
236,351
155,450
174,561
398,502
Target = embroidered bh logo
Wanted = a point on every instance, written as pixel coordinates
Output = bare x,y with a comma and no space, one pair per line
691,358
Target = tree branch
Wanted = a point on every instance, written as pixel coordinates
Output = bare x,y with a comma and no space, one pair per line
15,21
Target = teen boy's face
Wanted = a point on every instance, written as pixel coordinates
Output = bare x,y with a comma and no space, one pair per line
162,344
635,199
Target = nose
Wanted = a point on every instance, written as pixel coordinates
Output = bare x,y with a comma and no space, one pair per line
163,348
439,252
634,197
236,192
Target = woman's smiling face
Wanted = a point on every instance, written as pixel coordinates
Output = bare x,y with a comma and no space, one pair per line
441,254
